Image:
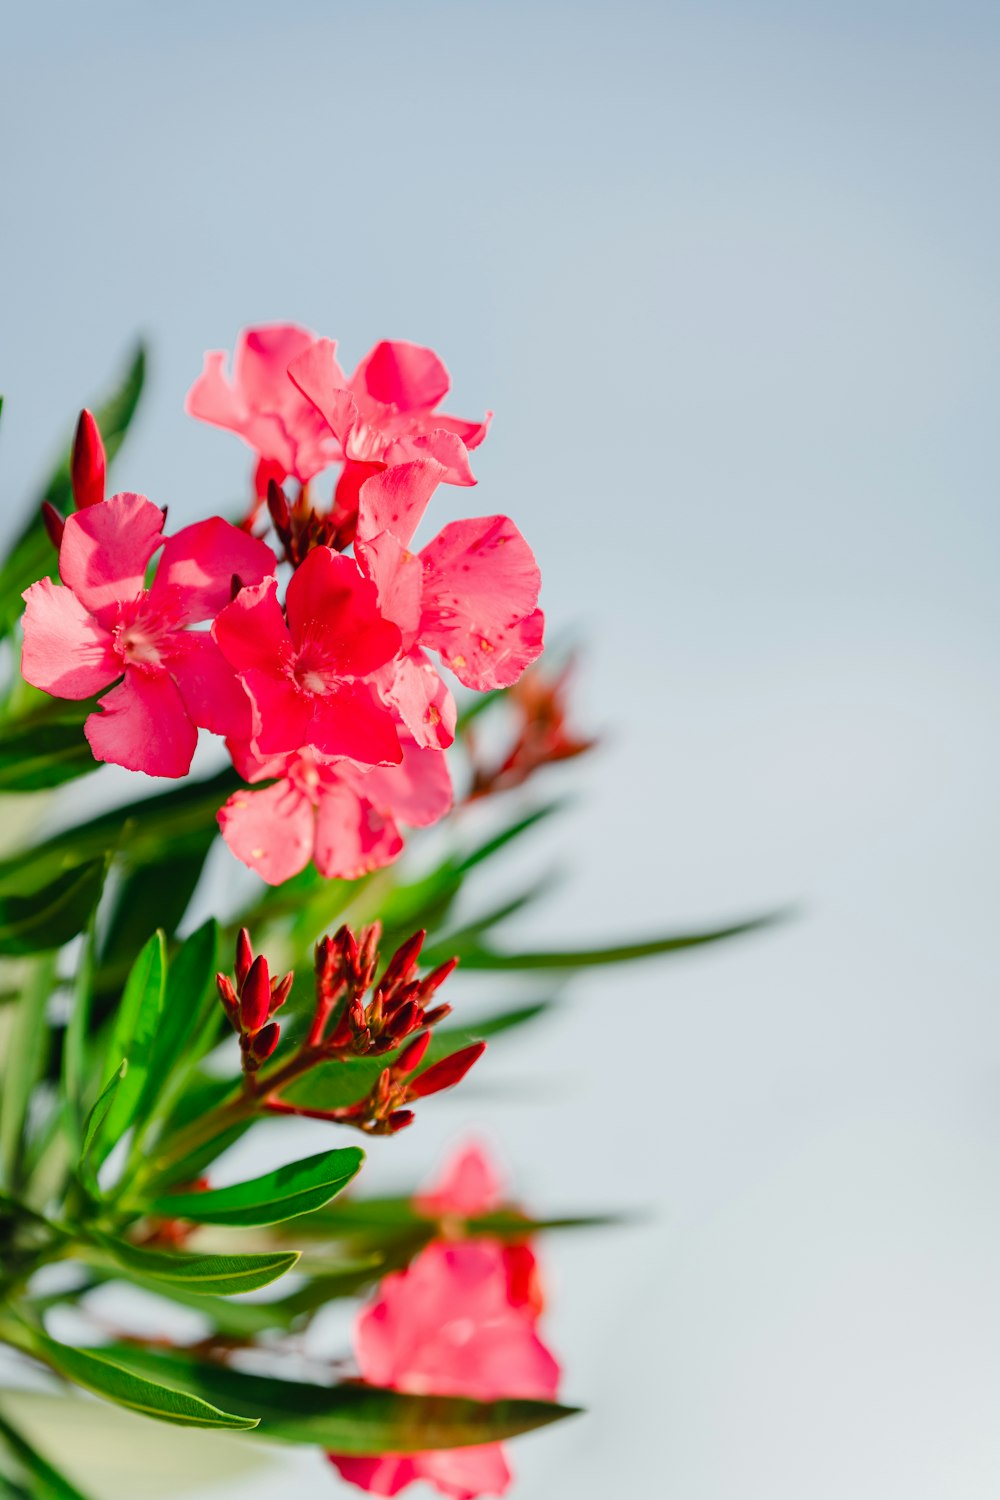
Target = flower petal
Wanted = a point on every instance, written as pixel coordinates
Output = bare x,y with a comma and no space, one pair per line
387,1474
398,579
481,586
395,499
66,652
281,716
465,1473
469,1186
352,838
350,721
421,698
432,445
105,550
251,632
270,830
144,726
196,569
403,375
333,616
319,377
213,694
417,791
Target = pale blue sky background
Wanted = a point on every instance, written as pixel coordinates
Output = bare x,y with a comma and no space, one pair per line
727,273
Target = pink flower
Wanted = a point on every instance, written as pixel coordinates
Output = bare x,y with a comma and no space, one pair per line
384,414
471,594
334,812
262,405
446,1326
302,668
105,625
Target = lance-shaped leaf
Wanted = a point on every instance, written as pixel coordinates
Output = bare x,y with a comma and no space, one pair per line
352,1417
25,1047
209,1275
285,1193
115,1382
475,955
133,1036
89,1162
331,1085
42,753
51,915
184,1032
47,1483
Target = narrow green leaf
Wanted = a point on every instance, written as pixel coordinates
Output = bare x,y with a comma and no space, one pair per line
24,1058
75,1036
133,1035
285,1193
96,1118
352,1417
478,956
49,917
38,755
47,1482
331,1085
209,1275
189,1001
115,1382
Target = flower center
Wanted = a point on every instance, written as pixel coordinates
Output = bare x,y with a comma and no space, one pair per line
141,643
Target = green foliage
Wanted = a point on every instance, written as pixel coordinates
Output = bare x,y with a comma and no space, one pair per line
285,1193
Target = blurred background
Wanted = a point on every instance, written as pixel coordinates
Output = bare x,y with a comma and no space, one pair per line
728,275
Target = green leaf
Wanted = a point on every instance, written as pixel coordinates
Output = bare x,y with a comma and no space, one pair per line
107,1378
331,1085
96,1118
209,1275
133,1035
25,1050
49,917
184,1030
48,1483
35,755
377,1219
285,1193
353,1417
478,956
33,556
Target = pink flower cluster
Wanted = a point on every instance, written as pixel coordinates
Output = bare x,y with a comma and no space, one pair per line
462,1320
332,711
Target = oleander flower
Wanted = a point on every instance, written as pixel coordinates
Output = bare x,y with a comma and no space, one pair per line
102,624
262,405
304,668
471,594
342,816
446,1326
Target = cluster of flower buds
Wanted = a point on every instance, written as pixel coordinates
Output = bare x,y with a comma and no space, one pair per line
542,736
400,1005
88,467
298,526
252,1001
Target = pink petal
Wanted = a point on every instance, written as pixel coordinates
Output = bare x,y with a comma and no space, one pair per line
481,586
144,725
196,569
350,721
281,715
270,830
471,433
334,619
465,1473
395,499
251,632
260,365
468,1186
398,578
105,550
403,375
318,376
418,791
412,685
213,694
384,1475
66,652
351,837
432,445
212,398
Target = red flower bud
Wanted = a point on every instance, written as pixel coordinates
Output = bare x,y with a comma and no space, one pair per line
399,1119
280,991
436,978
432,1017
264,1043
403,963
244,956
406,1019
412,1055
255,999
88,464
54,523
277,504
446,1073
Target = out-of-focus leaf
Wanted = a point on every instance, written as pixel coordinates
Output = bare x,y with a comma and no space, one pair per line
282,1194
330,1085
50,916
475,955
164,887
32,555
23,1061
352,1417
112,1380
381,1218
211,1275
46,1481
188,1002
133,1035
96,1118
38,755
75,1036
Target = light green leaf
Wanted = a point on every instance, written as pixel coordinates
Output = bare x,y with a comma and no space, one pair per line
49,917
285,1193
209,1275
25,1052
133,1035
96,1118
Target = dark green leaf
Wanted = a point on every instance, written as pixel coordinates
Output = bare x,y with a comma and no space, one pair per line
49,917
47,1482
351,1418
330,1085
282,1194
89,1160
210,1275
189,1002
133,1035
107,1378
25,1051
37,755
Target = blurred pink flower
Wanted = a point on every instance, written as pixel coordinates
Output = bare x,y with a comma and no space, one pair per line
105,624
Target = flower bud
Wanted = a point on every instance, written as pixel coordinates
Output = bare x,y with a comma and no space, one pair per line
405,1020
277,504
446,1073
399,1119
88,463
264,1043
255,999
280,991
54,523
244,956
412,1055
